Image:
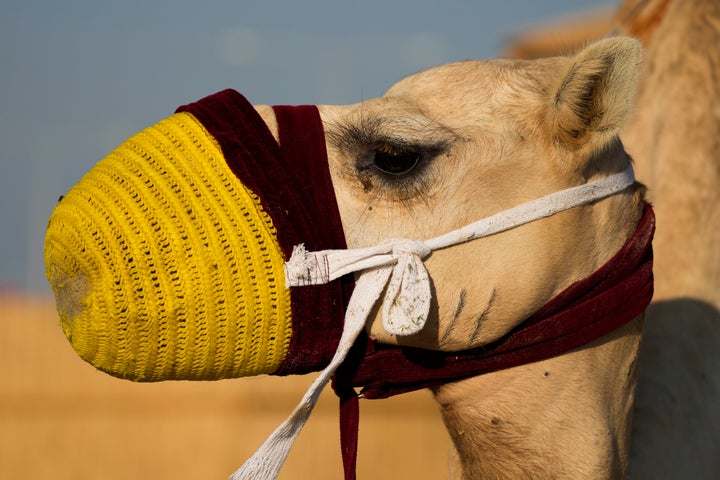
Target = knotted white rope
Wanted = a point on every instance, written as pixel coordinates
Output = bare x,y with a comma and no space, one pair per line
396,267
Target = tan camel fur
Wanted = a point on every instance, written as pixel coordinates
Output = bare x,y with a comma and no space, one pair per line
675,140
459,142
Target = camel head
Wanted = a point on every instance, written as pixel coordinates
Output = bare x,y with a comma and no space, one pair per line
459,142
167,263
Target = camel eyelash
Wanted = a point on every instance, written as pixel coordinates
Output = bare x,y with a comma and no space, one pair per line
393,167
400,171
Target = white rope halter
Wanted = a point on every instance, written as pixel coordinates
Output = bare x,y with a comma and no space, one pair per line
397,267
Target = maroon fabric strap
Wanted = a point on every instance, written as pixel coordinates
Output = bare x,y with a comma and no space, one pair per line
609,298
349,424
316,333
293,182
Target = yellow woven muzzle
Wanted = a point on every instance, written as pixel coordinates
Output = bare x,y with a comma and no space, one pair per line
165,266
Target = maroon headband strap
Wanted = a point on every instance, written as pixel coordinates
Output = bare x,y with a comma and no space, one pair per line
317,314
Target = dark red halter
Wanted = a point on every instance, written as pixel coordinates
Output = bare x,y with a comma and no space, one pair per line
293,182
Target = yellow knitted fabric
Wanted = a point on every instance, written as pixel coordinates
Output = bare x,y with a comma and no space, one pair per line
165,266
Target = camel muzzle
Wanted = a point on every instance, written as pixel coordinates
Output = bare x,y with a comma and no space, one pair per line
165,266
167,258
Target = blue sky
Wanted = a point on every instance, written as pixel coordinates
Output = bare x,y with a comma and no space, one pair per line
79,76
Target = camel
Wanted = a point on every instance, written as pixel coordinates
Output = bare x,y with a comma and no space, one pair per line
438,151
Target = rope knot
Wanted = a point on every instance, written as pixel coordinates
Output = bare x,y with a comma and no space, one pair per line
405,246
306,268
406,305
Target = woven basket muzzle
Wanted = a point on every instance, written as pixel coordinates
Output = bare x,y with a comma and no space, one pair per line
165,266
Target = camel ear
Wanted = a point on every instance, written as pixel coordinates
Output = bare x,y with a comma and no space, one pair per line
595,95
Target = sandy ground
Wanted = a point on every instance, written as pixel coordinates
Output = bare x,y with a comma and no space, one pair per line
62,419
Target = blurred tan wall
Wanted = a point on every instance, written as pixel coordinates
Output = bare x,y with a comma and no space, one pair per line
61,419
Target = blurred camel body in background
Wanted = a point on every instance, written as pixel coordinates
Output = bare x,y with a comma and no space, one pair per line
674,139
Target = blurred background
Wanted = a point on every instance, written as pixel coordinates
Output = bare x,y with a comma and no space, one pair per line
77,77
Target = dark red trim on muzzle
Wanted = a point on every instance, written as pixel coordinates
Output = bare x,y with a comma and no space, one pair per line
293,182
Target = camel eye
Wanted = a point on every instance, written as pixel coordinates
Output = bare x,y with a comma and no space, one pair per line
396,162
